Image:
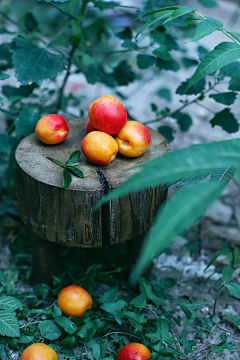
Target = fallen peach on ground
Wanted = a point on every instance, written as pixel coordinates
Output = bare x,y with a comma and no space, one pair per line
74,300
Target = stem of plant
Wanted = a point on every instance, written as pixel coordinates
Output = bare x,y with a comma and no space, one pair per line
54,160
216,300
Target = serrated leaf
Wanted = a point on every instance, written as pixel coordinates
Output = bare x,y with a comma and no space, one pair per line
10,303
194,179
227,273
4,352
3,76
145,61
9,324
160,15
26,121
164,93
234,83
39,65
74,156
206,27
167,132
67,178
197,88
49,330
226,98
226,120
183,10
234,289
184,120
223,54
66,324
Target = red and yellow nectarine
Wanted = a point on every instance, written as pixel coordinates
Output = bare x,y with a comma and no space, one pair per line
107,114
134,351
74,300
133,139
89,126
52,129
99,147
38,351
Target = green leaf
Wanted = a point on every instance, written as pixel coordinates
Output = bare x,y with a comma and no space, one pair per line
237,177
49,330
75,171
235,34
95,348
187,63
223,345
104,5
41,290
71,5
25,339
115,309
108,295
123,73
183,10
226,120
9,324
160,15
162,53
146,289
164,93
136,319
194,90
187,344
140,300
234,289
74,156
10,303
70,342
167,65
167,132
223,54
234,83
186,311
208,3
26,121
206,27
227,273
202,52
39,65
225,174
3,76
175,166
48,1
235,319
23,90
162,333
5,143
197,305
4,353
226,98
145,61
67,178
30,22
216,256
194,179
184,121
66,324
189,204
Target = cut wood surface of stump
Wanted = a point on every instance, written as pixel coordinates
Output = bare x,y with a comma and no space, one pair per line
65,215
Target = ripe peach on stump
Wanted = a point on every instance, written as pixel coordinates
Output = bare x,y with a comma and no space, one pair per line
107,114
65,216
52,129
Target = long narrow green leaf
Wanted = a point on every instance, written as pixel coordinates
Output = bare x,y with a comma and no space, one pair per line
216,256
237,177
178,165
223,54
180,212
162,9
156,17
206,27
183,10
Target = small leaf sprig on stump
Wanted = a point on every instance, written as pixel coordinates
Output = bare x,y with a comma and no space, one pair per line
69,167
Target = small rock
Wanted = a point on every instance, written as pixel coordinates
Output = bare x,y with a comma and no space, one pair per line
229,233
219,212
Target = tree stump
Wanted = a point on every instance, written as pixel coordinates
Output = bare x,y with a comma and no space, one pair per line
64,215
